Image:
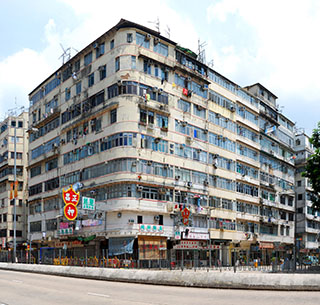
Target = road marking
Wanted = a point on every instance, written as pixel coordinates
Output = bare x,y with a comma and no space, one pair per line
99,295
17,281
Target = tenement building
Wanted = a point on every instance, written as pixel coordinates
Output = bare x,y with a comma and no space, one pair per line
13,148
181,162
308,220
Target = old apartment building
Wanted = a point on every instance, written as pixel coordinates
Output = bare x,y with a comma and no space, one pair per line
176,156
308,220
13,127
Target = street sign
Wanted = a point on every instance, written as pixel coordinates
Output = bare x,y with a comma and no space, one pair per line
88,203
70,211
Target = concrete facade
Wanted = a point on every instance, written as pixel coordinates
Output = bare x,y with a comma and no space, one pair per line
149,131
308,220
8,126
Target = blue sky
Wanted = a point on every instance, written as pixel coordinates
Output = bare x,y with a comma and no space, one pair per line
268,41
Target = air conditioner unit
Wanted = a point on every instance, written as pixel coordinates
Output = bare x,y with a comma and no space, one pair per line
130,221
119,82
205,131
177,177
166,165
156,217
149,162
184,123
160,90
155,89
95,45
134,163
189,139
92,122
162,191
205,182
224,139
189,184
232,108
147,37
139,188
157,140
189,78
156,40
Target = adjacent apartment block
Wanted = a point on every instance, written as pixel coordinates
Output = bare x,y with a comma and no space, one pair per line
308,220
176,156
13,127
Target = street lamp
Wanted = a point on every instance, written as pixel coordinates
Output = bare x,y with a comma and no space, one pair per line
16,186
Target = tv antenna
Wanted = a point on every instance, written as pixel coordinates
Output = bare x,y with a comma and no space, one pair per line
201,51
211,63
156,24
168,31
66,55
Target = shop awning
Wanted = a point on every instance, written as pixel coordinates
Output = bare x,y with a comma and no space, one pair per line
121,245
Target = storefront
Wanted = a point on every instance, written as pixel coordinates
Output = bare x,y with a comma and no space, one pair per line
152,247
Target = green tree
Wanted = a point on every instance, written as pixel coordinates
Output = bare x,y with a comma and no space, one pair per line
313,168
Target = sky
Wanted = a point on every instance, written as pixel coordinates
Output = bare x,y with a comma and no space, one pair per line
275,43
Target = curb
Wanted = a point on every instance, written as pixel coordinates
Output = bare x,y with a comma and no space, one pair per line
201,279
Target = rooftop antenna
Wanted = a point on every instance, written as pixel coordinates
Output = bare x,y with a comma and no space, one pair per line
156,23
201,51
66,55
168,31
211,63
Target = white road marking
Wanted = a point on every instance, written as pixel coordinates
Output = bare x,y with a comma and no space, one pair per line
99,295
17,281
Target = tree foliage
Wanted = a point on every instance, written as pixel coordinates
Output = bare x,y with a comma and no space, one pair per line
313,168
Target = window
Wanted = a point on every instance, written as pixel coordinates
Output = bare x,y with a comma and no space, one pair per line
133,62
161,48
103,72
20,124
113,116
142,40
67,94
100,50
91,80
147,66
139,219
35,226
300,196
129,37
88,59
111,44
51,164
299,183
34,171
78,88
13,123
77,66
184,106
18,155
117,64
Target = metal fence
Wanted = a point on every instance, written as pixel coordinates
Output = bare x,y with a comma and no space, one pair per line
88,258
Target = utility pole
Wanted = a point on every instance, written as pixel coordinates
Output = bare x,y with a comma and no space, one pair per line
14,197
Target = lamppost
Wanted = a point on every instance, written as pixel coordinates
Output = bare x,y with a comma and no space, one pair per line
16,190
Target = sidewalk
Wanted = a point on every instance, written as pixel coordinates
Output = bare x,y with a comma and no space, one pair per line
191,278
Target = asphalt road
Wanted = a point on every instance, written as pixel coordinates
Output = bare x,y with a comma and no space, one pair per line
17,288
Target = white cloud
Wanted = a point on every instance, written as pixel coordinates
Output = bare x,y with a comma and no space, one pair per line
286,46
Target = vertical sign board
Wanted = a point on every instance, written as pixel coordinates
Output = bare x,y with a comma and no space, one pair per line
71,199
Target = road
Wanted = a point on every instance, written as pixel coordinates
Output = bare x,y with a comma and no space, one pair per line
17,288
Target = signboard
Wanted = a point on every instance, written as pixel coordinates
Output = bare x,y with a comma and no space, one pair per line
177,235
71,199
88,203
69,244
194,245
70,196
64,225
91,222
185,213
3,242
70,211
151,228
68,231
195,235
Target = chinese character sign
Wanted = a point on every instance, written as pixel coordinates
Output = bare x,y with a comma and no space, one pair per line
185,213
70,196
70,211
71,199
88,203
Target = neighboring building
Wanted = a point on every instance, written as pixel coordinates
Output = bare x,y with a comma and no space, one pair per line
149,131
308,220
7,132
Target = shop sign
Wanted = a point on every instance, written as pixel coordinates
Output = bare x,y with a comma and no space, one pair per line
195,235
3,242
151,228
184,244
91,222
88,203
266,245
64,225
69,244
70,211
185,214
177,235
70,196
68,231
